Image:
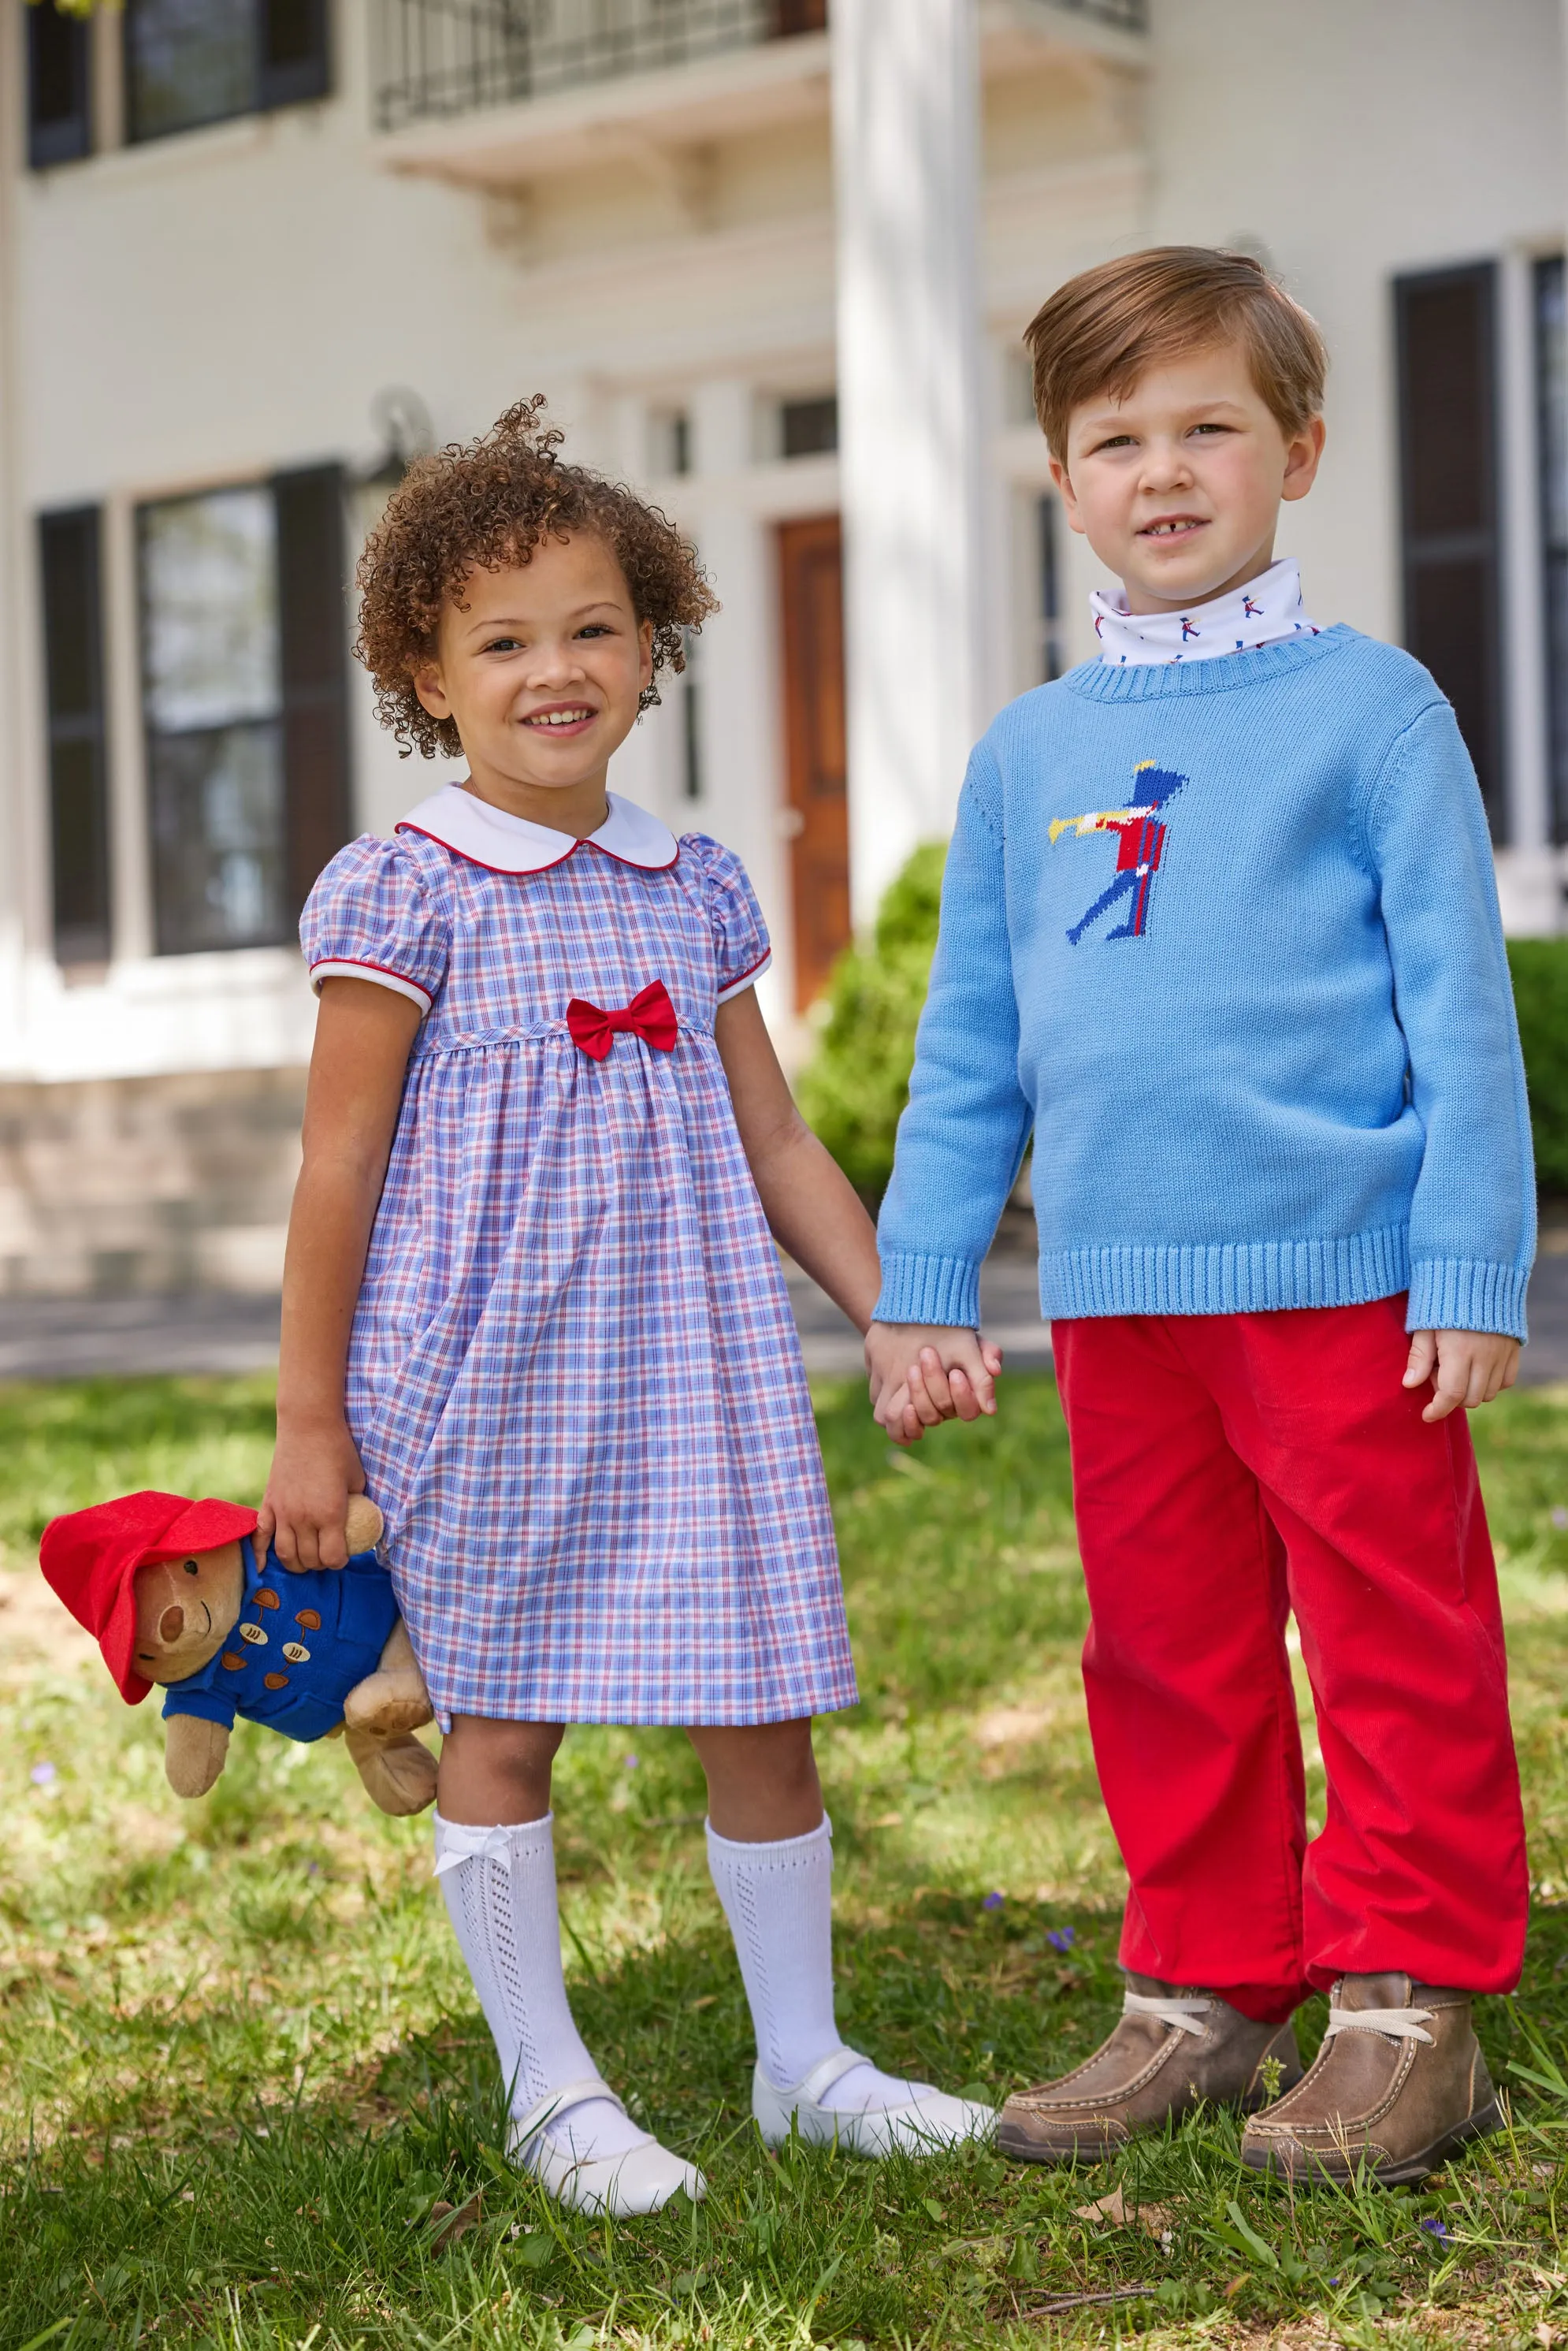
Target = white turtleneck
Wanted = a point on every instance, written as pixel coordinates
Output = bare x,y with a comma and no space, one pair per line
1260,613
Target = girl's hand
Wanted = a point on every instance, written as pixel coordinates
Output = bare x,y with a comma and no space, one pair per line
919,1377
1466,1368
305,1504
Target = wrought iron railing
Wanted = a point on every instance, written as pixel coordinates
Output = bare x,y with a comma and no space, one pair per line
448,56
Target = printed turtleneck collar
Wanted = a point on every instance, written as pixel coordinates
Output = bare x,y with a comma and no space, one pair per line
1259,613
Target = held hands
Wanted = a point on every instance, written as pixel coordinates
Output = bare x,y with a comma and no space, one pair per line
920,1376
314,1471
1466,1368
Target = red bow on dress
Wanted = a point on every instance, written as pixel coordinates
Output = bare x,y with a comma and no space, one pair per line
650,1015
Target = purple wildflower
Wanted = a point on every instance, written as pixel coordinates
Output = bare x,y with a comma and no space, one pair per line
993,1902
1061,1939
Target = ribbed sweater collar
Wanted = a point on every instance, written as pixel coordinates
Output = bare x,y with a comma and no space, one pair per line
1098,681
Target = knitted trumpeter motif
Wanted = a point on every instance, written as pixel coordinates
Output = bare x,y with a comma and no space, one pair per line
1305,1087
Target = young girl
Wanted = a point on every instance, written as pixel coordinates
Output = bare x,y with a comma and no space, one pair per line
532,1302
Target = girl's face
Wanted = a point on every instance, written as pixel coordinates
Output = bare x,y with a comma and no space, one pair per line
542,666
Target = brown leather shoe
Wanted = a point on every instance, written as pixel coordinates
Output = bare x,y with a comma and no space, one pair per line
1173,2046
1398,2085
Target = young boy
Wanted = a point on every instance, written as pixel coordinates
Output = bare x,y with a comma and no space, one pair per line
1219,928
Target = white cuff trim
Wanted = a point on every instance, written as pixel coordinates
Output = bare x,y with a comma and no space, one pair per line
747,980
347,968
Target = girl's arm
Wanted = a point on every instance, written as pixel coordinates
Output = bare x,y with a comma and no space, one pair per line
809,1201
363,1034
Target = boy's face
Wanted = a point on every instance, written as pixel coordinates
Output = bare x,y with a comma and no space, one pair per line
542,668
1177,487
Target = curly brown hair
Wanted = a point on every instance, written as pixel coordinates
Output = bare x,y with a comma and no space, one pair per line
488,506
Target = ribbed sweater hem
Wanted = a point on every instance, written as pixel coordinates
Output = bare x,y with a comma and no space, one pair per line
1467,1294
1222,1277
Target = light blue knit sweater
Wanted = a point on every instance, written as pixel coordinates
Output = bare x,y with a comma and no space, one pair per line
1224,937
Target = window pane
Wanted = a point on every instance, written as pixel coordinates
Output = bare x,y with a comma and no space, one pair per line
217,837
214,736
187,62
210,597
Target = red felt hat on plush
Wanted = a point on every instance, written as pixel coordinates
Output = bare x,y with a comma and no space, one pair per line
90,1558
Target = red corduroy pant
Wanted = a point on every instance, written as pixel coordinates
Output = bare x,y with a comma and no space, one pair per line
1229,1469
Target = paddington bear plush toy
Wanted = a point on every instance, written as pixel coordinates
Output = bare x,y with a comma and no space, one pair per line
173,1592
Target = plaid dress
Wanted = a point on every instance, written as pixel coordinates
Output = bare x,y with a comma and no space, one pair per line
574,1379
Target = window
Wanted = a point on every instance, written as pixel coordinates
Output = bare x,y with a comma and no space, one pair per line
1552,396
1051,661
245,705
1447,339
691,717
59,86
73,699
192,61
809,428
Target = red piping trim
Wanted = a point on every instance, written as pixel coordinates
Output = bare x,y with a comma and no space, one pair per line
732,986
364,963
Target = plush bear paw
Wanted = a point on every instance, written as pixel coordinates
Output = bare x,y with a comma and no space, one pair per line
388,1703
398,1772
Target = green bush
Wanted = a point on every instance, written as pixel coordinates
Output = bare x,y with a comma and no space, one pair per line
1541,992
858,1082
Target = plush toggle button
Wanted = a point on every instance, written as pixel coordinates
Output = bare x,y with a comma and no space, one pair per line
265,1599
253,1633
233,1664
650,1015
309,1619
274,1681
297,1653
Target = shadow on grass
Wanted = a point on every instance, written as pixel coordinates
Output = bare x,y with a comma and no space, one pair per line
334,2210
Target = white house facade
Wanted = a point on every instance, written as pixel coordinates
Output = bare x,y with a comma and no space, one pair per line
770,259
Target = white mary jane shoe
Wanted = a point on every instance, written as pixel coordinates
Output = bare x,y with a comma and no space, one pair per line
930,2119
641,2180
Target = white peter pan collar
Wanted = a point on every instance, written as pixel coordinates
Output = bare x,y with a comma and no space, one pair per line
489,836
1260,613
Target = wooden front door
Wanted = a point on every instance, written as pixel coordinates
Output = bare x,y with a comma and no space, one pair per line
812,584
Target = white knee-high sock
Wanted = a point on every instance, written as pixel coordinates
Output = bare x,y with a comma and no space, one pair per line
778,1900
499,1884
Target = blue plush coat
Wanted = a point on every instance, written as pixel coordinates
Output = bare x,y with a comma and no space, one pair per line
300,1644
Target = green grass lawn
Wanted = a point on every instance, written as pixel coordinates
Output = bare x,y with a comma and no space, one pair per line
242,2075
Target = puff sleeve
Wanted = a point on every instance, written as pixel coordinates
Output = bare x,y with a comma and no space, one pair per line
369,916
742,949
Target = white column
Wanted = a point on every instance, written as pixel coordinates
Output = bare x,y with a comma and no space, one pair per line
907,138
1528,881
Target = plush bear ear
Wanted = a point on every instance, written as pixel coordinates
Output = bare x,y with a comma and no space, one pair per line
194,1752
364,1523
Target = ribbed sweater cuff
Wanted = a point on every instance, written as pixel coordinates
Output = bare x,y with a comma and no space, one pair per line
944,1290
1456,1293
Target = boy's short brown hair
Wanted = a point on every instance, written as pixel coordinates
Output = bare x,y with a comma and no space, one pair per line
1105,328
489,505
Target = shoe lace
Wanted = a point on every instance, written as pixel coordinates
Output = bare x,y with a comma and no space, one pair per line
1399,2023
1181,2015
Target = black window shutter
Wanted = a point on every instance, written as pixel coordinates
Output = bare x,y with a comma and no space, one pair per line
313,649
1446,332
59,85
293,59
79,778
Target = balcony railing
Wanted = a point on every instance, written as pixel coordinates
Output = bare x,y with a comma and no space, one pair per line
448,56
435,58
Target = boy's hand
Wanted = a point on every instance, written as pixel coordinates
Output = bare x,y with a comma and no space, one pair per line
920,1375
1466,1368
